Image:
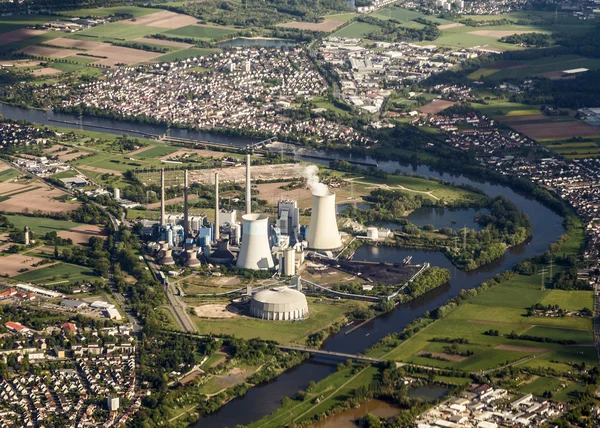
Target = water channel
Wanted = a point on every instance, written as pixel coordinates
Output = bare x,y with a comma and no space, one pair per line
263,400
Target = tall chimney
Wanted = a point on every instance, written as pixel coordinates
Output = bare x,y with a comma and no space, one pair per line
248,186
186,217
163,219
217,206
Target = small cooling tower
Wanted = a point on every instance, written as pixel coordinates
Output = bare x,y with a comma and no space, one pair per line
323,232
192,259
255,252
167,258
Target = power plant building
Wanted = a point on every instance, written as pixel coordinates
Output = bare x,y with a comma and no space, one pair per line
279,304
323,234
255,251
288,217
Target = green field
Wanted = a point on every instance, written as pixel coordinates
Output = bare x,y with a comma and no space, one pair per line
41,225
61,273
561,359
321,316
570,393
571,300
76,68
186,53
157,152
501,107
541,385
102,12
8,174
202,33
575,150
524,69
355,30
406,16
462,37
117,31
341,16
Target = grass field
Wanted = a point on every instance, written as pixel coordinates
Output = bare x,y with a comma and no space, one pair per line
61,273
406,16
524,69
570,393
461,37
198,32
117,31
575,150
561,359
496,108
321,315
333,390
41,225
572,300
186,53
8,174
157,151
541,385
102,12
356,30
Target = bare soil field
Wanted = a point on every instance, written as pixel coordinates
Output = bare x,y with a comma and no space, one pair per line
164,19
326,26
18,35
63,42
48,52
519,348
41,199
497,34
556,75
66,156
81,235
271,192
547,130
215,310
8,188
173,201
449,357
238,174
196,373
13,263
163,42
46,72
436,106
448,26
120,55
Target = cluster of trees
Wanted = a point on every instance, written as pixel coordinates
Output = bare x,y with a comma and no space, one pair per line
142,46
427,281
394,30
528,337
537,40
95,255
567,280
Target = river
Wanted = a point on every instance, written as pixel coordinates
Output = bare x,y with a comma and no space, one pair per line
263,400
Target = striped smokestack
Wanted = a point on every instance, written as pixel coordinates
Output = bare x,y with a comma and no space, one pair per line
248,186
186,217
163,219
217,235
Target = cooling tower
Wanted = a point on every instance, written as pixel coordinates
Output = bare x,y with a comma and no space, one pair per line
323,232
255,252
192,259
167,258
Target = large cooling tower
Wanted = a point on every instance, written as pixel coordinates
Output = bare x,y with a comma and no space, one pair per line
192,258
255,252
323,232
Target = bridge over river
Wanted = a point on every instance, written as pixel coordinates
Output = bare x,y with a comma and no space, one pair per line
355,357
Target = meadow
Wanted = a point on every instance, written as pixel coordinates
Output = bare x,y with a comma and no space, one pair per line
186,53
406,16
41,225
8,174
199,32
102,12
355,30
61,273
116,31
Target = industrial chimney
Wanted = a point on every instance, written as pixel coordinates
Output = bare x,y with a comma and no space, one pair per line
192,258
255,252
323,232
162,197
217,234
167,258
248,186
186,217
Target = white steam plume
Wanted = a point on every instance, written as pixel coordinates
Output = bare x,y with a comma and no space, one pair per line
312,181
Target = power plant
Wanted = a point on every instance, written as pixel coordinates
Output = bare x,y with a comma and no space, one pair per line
323,234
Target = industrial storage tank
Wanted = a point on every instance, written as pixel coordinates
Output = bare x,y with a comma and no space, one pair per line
255,252
279,304
323,232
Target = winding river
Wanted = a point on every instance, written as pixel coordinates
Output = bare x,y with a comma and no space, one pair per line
263,400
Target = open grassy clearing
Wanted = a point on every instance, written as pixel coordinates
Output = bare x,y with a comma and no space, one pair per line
527,68
344,17
463,37
116,31
356,30
157,152
497,108
334,390
41,225
199,32
541,385
186,53
406,16
570,393
321,315
562,359
8,174
572,300
61,273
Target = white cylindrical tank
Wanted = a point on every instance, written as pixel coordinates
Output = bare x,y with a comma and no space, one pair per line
255,252
289,262
323,232
279,304
117,193
372,233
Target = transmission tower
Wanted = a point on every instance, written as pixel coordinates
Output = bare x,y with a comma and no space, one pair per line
543,273
465,238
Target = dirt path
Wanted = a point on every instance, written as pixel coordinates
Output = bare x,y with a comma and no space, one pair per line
397,186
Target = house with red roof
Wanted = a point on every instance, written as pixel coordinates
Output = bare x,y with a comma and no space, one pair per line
16,327
69,327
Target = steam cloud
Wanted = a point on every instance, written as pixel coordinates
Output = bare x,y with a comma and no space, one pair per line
312,181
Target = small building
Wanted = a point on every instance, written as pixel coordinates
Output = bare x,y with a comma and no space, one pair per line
112,403
113,314
17,328
69,327
73,304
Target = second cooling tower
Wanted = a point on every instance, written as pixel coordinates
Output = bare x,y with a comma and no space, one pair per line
323,232
255,252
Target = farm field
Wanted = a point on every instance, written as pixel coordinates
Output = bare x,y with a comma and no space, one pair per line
326,25
541,385
549,130
41,225
200,32
575,149
13,264
469,37
8,174
116,31
356,30
562,359
321,315
498,308
164,19
102,12
32,196
571,300
406,16
61,273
